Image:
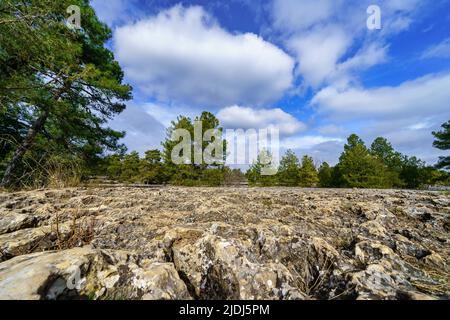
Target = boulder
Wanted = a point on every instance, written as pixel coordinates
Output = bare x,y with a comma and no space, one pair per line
87,273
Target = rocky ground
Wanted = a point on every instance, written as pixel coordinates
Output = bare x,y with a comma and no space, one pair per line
224,243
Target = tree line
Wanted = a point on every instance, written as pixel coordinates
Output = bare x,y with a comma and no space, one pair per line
157,167
60,87
377,166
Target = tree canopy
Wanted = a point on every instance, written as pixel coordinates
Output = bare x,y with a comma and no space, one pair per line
442,142
308,173
288,172
359,168
59,86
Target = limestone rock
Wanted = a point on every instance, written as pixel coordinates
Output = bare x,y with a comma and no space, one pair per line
88,273
10,222
224,243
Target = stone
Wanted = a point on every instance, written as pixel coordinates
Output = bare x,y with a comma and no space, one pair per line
224,243
85,273
10,222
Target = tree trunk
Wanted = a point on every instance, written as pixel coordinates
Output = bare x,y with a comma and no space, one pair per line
37,127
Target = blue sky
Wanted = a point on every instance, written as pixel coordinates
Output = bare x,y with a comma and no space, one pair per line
311,67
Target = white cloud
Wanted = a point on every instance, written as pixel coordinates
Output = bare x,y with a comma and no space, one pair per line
165,114
143,132
332,46
372,54
420,125
247,118
294,15
332,129
318,52
320,34
401,5
182,54
424,96
307,142
441,50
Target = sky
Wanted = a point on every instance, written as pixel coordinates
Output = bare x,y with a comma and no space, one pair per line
311,67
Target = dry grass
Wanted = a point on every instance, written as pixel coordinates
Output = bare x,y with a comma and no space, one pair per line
52,169
81,231
63,175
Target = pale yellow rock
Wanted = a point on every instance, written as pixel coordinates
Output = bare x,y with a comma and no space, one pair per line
224,243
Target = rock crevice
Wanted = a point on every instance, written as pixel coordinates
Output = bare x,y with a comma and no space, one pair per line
217,243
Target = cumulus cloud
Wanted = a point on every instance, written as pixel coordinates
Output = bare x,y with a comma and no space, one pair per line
332,129
440,50
423,96
143,132
182,54
307,142
332,47
165,114
294,15
372,54
323,36
248,118
318,52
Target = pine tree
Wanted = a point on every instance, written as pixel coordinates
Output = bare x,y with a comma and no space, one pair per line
63,87
358,168
308,173
412,173
288,172
151,169
325,175
442,142
383,150
255,174
191,173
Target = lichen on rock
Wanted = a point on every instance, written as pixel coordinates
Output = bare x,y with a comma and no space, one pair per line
224,243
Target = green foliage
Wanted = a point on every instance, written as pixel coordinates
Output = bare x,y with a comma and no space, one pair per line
325,175
255,174
168,144
208,122
412,173
288,172
358,168
58,87
151,168
379,167
191,174
443,142
308,173
156,167
213,177
383,150
233,176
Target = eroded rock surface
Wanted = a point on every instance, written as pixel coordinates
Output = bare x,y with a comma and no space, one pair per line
224,243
